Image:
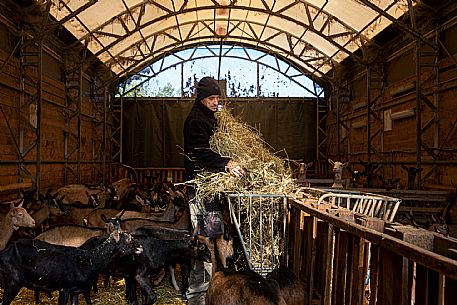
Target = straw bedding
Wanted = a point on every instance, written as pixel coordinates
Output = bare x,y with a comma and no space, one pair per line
112,295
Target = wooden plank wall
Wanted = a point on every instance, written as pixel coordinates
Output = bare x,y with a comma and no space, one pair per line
52,130
399,144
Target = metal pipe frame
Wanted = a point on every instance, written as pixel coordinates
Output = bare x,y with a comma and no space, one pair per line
73,86
30,57
211,55
98,32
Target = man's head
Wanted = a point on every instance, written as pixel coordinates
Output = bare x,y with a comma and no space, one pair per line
208,92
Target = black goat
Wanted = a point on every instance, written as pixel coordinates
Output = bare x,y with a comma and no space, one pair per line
162,247
412,173
41,266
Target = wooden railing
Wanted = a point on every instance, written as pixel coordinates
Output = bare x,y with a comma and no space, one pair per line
141,175
349,258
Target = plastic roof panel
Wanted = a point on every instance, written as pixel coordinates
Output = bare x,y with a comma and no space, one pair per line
314,35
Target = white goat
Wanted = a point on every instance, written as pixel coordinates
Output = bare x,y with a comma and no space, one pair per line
338,170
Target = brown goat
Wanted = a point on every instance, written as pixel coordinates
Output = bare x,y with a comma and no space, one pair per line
70,235
16,217
228,287
291,288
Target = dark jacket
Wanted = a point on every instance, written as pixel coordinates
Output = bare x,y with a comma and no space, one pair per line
198,129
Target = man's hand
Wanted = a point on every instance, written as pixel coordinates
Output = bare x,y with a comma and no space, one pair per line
233,168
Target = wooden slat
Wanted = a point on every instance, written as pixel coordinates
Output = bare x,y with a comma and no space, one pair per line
15,186
339,269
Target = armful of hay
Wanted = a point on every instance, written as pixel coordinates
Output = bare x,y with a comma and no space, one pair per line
266,173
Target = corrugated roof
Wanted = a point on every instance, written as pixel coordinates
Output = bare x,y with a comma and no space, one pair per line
313,35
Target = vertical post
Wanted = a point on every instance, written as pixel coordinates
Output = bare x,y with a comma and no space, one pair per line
121,129
328,267
258,79
78,112
38,114
369,101
418,113
338,139
105,96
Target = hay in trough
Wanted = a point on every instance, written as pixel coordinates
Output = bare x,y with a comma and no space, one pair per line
266,173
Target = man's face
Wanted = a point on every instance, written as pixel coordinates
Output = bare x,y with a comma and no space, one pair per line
211,102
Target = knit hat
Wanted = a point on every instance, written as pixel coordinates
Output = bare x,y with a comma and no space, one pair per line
207,86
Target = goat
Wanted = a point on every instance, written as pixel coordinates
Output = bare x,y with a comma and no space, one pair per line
75,194
228,287
338,170
41,216
412,173
369,172
291,288
355,177
69,235
300,173
76,236
161,247
182,222
16,217
42,266
75,214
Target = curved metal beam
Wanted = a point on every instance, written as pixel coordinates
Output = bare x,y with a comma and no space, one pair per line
142,64
162,69
248,9
278,32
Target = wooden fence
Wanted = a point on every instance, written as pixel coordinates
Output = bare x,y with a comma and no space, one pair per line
348,258
141,175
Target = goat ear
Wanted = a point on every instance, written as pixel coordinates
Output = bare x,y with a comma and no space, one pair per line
345,164
331,162
404,167
308,165
12,206
139,199
119,215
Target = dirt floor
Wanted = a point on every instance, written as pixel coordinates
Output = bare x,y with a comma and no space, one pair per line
113,295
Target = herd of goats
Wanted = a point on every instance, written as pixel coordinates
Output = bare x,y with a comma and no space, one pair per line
69,237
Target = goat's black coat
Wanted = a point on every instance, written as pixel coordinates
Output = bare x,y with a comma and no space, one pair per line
162,247
38,265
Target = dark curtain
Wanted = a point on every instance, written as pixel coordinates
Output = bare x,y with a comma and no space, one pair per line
152,132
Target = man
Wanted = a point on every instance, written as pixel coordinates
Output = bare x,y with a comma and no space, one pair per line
198,129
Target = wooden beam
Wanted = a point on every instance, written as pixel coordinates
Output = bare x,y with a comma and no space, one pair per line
15,186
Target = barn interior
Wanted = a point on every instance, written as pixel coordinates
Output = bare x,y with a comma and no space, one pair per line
377,78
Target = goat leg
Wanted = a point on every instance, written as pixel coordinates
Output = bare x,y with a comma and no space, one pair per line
147,294
130,290
86,294
63,297
74,299
37,297
185,273
171,270
9,293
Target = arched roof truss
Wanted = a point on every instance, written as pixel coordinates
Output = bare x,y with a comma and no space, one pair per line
312,35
